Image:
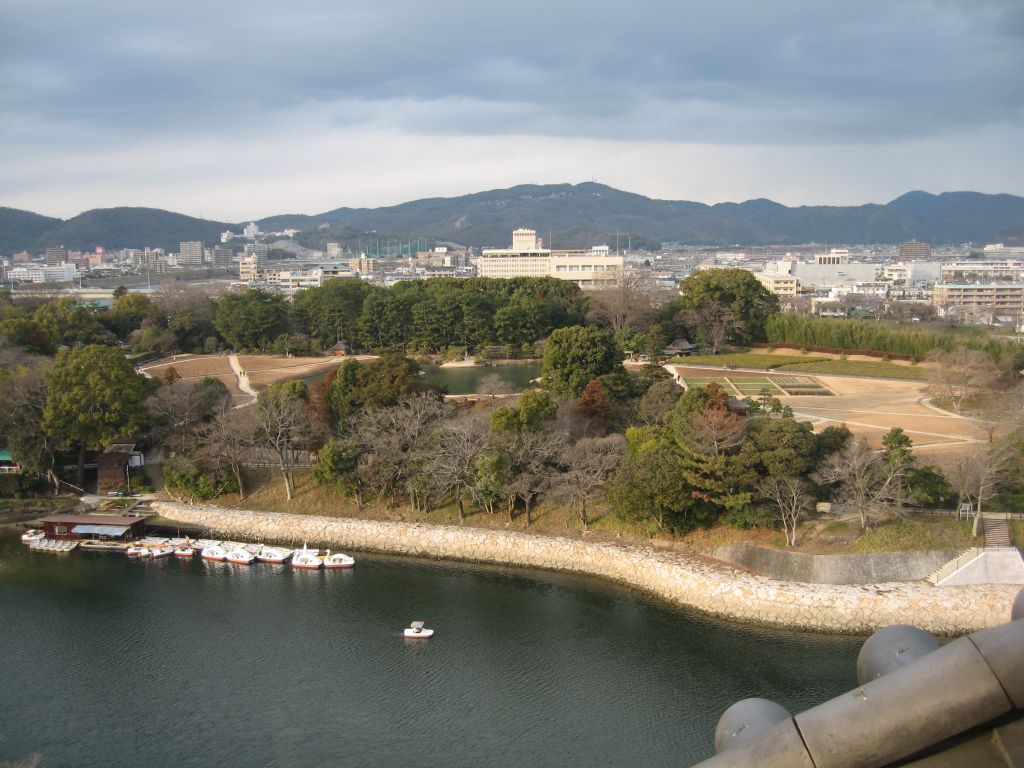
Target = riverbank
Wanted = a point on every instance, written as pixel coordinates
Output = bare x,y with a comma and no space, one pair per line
706,585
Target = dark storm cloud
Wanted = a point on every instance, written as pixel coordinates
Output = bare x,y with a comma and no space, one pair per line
725,72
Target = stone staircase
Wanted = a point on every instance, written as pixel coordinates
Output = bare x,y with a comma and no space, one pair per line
954,565
997,532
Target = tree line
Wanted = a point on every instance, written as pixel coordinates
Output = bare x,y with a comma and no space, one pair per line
838,334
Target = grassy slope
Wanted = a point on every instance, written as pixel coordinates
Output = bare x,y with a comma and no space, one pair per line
878,370
746,360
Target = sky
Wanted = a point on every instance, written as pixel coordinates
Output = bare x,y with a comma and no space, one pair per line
240,109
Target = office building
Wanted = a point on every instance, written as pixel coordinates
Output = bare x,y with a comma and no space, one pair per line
915,251
223,257
527,257
56,255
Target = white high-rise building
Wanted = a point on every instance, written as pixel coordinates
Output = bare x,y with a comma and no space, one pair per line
590,268
251,231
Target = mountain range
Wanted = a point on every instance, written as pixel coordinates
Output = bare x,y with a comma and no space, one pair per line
570,215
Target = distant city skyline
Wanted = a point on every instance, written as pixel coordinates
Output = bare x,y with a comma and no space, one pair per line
243,110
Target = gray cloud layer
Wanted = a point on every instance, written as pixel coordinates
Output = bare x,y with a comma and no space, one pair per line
96,76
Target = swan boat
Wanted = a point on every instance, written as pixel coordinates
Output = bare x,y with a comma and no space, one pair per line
274,555
240,556
214,552
308,559
338,560
416,630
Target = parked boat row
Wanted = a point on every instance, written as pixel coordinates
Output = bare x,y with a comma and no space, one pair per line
157,547
52,545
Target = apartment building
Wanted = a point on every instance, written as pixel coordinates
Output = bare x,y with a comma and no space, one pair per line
996,299
190,254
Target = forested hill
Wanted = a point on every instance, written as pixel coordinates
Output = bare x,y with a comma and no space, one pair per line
568,215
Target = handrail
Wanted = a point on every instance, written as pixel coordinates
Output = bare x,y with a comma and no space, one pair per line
955,565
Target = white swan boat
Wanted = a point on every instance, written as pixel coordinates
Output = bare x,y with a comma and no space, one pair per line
338,560
33,534
416,630
214,552
308,559
274,555
240,556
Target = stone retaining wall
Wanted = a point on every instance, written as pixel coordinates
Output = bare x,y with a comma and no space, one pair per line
834,569
703,584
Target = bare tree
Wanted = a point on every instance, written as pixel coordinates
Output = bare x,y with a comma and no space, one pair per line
587,466
458,446
398,445
627,302
281,424
712,324
978,475
180,405
535,457
493,385
227,440
961,375
865,480
715,430
792,497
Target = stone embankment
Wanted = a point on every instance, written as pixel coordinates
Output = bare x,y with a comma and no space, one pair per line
706,585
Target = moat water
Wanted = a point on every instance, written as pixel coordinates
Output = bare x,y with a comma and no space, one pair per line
107,661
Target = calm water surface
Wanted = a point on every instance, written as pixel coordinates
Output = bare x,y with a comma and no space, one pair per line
466,381
106,661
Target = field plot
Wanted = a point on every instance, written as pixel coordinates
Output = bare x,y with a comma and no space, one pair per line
867,407
750,385
190,366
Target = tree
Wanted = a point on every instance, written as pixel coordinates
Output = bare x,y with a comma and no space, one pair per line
961,375
281,425
24,395
251,320
587,466
869,483
593,404
94,398
576,355
493,385
179,406
338,464
735,290
979,474
398,444
712,325
459,445
388,380
626,303
649,482
658,401
226,440
534,409
793,499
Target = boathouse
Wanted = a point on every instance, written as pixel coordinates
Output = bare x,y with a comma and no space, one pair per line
103,527
114,465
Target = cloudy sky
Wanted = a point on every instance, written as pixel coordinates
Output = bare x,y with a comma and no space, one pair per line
241,108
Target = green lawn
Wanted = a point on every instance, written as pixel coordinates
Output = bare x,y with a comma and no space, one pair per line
921,534
873,369
746,360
